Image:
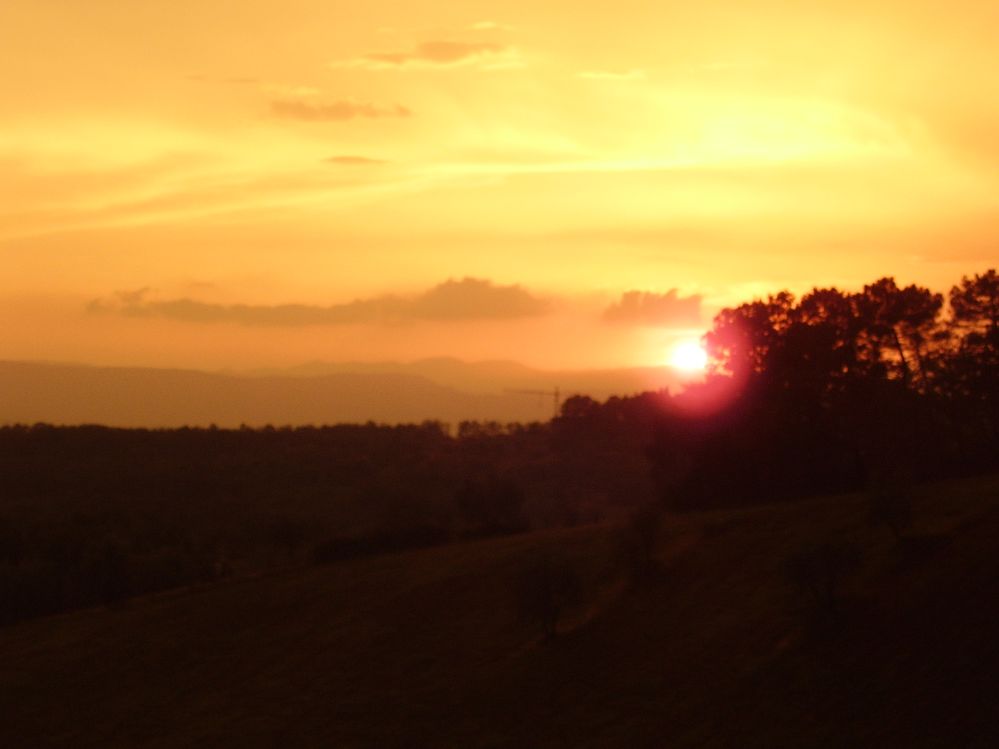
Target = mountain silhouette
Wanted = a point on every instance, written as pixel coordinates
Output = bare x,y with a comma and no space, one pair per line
439,389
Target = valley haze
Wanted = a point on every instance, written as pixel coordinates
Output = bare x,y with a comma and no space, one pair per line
446,390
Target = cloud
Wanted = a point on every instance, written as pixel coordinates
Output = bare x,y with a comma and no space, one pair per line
353,161
440,54
290,92
635,74
475,298
129,298
336,111
659,310
453,300
238,80
721,66
491,26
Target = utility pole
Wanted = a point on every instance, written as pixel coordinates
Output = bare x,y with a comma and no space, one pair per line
555,395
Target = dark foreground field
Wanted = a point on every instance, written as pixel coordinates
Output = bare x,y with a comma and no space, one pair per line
430,648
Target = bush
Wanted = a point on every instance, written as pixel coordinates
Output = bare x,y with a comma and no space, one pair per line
818,572
891,505
352,547
547,588
637,544
492,506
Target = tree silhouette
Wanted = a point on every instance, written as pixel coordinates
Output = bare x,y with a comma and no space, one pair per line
898,327
819,571
546,589
493,505
890,505
637,543
975,307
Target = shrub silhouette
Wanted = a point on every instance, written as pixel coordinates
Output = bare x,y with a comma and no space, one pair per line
494,505
546,589
12,544
890,505
284,533
637,544
818,572
106,574
340,548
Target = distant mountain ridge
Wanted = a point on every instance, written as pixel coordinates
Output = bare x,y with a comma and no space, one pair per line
498,375
437,389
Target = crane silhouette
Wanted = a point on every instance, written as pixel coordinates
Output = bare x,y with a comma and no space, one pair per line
555,395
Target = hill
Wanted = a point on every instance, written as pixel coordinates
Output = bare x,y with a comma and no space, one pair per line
445,390
500,375
140,397
427,648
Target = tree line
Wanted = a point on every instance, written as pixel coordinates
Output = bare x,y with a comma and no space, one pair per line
838,391
833,392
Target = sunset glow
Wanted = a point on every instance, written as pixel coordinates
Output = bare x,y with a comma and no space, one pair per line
689,357
312,155
446,372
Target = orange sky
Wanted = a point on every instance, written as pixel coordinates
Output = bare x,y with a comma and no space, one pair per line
175,172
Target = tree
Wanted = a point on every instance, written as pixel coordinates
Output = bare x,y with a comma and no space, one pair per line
493,505
744,340
975,320
818,571
638,542
975,306
832,348
890,505
286,533
547,588
898,326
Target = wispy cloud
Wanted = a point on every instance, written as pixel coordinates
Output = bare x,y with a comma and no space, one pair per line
439,55
635,74
353,161
491,26
235,80
285,91
453,300
654,309
337,111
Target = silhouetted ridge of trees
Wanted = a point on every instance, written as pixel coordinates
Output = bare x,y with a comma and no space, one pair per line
836,390
833,392
92,515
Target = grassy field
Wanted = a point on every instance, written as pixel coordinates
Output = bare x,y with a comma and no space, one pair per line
428,648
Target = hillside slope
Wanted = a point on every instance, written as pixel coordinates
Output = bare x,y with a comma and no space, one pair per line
141,397
428,648
446,390
493,377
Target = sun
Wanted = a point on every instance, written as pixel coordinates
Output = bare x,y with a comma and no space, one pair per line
688,357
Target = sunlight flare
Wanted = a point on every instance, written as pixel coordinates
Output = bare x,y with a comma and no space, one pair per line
688,357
